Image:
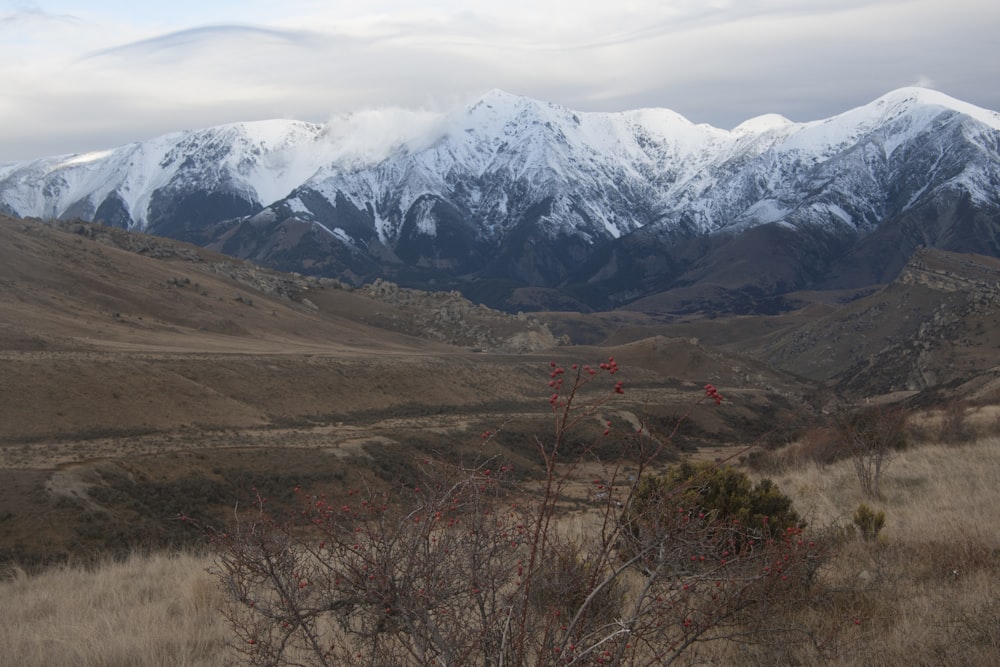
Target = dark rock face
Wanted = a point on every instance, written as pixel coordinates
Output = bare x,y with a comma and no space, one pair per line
185,215
113,212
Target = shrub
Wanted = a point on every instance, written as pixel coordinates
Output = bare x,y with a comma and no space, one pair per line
956,428
723,491
723,496
868,522
469,567
872,436
565,582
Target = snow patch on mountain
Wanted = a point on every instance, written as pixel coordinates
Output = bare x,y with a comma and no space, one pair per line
336,233
296,206
766,210
426,224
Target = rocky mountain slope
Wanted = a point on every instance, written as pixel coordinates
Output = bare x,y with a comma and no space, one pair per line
936,326
523,204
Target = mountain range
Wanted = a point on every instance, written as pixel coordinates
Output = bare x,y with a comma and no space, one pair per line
525,205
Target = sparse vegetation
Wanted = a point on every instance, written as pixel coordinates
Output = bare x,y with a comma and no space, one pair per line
872,436
125,404
462,566
920,587
956,427
928,587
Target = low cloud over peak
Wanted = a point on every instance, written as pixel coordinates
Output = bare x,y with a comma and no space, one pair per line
68,88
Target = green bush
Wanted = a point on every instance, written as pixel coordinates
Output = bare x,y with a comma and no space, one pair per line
709,491
869,522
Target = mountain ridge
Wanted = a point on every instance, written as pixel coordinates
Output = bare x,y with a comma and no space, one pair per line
511,192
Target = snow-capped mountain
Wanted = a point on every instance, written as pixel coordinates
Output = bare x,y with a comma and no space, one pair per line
135,185
510,192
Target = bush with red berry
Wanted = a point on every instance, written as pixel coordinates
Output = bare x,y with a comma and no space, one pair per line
474,565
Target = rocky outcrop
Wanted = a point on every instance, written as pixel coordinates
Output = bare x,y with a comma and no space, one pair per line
936,324
451,318
977,275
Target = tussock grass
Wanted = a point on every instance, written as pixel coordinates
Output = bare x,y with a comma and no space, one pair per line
931,492
927,591
156,610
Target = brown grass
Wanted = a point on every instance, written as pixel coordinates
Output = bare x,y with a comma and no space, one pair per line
925,593
929,491
150,611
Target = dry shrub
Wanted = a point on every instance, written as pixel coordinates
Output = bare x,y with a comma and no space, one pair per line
564,583
469,567
816,443
956,426
873,436
822,444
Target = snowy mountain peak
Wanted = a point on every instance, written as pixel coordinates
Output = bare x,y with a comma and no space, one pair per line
496,112
521,189
762,124
500,98
910,96
924,101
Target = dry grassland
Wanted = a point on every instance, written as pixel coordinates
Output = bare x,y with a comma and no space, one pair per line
150,611
925,593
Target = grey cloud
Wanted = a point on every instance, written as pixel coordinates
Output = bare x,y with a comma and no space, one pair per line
203,36
719,66
700,15
30,13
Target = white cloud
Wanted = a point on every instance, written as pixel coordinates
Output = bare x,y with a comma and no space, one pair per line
76,81
362,136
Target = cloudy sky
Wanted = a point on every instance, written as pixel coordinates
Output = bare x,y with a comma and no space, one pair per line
77,76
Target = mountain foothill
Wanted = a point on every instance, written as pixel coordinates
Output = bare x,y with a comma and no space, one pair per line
214,308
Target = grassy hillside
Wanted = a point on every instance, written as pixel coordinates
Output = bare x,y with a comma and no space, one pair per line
142,379
926,592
